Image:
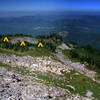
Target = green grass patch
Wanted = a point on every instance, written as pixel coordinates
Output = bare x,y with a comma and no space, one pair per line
80,82
83,83
34,52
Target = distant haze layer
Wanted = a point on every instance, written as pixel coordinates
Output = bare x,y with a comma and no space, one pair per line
79,27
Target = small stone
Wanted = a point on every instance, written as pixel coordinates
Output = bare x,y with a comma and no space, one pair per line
76,74
89,94
8,61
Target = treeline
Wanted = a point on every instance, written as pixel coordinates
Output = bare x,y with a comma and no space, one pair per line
16,46
86,54
47,44
51,41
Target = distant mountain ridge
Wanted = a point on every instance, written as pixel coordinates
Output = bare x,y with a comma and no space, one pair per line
83,29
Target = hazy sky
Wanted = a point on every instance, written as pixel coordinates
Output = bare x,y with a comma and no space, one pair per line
48,5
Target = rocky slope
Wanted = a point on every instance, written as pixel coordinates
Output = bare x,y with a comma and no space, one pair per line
75,65
15,86
43,64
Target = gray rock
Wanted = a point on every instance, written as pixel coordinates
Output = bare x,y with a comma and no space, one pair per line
63,46
89,94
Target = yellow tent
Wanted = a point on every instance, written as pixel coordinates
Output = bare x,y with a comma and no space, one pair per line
5,39
40,45
22,43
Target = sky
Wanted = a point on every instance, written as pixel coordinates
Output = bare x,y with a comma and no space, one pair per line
15,6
